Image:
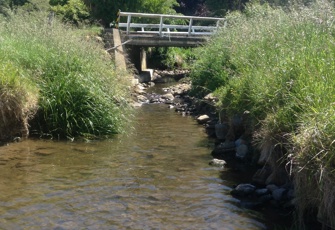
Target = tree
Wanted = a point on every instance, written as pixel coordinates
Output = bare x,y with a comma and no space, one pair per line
221,7
106,11
74,11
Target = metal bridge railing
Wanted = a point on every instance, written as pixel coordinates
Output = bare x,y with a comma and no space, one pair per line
163,29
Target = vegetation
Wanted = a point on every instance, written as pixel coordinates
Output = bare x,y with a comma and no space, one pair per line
171,57
277,66
105,12
71,77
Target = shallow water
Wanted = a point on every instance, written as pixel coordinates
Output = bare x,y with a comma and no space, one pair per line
157,177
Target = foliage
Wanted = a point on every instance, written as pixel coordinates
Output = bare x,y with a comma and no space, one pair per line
106,12
278,66
18,101
74,11
80,92
171,57
221,7
4,8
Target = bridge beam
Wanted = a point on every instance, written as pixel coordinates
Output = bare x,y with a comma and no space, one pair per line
156,41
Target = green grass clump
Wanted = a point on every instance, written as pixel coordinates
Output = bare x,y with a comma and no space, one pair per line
18,101
80,92
279,65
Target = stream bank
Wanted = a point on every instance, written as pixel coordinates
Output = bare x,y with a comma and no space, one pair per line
263,187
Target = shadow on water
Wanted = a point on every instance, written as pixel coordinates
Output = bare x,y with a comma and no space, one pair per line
156,177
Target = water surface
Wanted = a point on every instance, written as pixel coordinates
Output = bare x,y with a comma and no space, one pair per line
156,177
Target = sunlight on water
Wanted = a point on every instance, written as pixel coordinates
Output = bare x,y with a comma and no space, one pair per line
157,177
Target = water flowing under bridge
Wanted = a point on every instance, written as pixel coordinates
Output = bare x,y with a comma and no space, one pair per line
139,30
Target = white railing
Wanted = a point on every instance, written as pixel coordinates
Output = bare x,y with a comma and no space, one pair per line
163,29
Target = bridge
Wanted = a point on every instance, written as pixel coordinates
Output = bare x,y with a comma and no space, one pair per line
140,30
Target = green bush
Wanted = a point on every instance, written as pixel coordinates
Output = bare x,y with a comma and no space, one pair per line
80,92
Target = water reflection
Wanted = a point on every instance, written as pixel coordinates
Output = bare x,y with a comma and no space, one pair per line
157,177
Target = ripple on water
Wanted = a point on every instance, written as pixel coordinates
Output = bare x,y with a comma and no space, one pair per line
154,178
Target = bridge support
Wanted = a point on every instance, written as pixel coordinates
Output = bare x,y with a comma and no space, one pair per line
145,73
120,61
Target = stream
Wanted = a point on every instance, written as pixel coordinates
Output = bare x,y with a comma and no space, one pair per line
155,177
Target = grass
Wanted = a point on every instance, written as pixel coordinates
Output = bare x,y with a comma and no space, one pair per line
80,92
278,64
18,101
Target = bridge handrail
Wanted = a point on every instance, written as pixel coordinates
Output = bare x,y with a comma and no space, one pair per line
191,29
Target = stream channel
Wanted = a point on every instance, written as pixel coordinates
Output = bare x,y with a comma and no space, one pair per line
155,177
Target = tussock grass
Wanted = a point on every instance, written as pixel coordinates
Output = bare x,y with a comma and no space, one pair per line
278,64
80,92
18,101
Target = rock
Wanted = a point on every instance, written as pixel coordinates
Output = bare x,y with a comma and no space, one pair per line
242,151
265,198
279,194
261,175
237,121
278,177
210,97
272,187
168,96
251,204
142,98
210,130
227,145
180,89
221,130
239,142
243,190
203,119
136,104
139,89
261,191
217,162
290,194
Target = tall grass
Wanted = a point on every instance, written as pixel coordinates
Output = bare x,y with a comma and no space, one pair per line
80,93
18,101
279,65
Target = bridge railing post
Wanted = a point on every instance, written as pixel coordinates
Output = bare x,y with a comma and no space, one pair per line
190,27
128,24
161,26
217,25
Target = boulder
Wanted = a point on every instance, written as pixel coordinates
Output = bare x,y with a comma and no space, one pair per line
272,187
203,119
217,162
221,130
142,99
242,151
261,175
279,194
262,191
243,190
168,96
278,177
227,145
